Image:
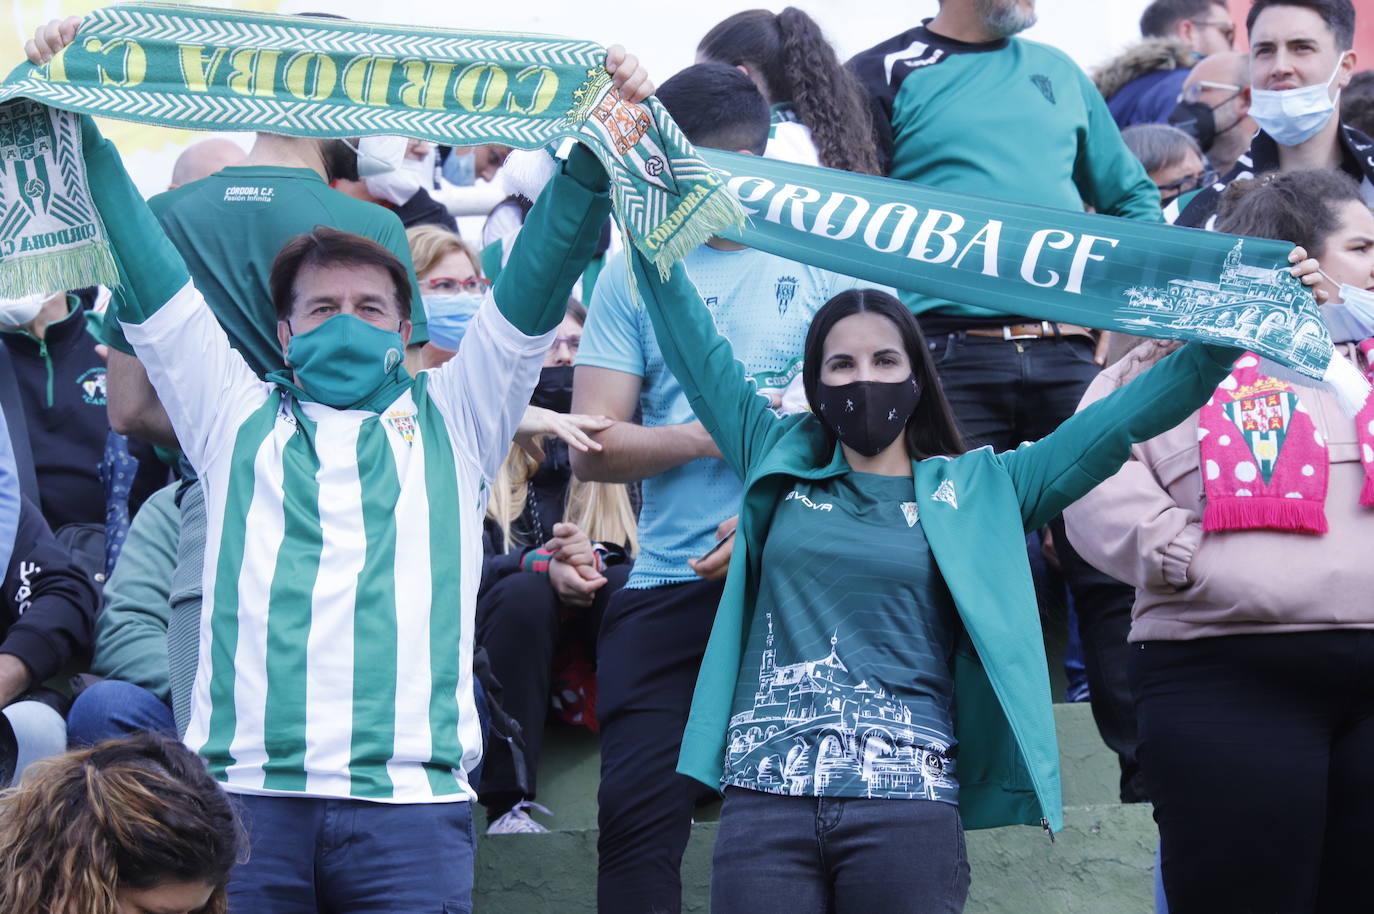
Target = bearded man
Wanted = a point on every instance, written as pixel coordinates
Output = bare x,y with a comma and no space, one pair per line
960,103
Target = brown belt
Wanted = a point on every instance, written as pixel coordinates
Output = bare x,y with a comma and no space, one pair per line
1030,331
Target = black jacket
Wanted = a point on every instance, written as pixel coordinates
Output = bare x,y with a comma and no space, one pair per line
1200,209
62,385
48,605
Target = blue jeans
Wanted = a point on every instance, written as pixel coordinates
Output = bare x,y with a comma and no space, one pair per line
311,855
39,733
788,855
112,709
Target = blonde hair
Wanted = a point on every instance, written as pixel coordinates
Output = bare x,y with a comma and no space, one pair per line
131,813
602,509
431,243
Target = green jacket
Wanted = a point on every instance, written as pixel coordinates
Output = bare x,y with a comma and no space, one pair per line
975,509
131,633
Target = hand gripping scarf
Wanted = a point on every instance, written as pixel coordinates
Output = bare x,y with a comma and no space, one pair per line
184,66
1264,463
1142,278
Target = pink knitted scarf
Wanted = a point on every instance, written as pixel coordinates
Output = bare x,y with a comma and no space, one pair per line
1264,463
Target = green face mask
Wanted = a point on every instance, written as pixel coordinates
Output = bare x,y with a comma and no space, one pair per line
344,360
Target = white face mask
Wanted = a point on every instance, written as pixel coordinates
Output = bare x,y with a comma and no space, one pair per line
1351,318
1293,116
378,155
16,312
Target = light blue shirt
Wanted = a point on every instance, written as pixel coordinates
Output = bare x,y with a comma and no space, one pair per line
9,495
763,305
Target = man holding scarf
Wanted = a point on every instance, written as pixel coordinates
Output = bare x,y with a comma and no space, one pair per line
1301,58
334,690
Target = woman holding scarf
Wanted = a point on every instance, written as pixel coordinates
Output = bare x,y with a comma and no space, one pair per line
1247,533
879,577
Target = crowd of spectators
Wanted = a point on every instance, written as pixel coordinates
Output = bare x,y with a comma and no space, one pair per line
237,494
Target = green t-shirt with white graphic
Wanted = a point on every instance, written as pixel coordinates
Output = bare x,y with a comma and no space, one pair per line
845,688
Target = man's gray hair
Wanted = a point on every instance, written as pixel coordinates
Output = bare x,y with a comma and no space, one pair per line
1159,145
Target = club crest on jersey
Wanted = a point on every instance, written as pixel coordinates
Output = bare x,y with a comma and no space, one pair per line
945,493
403,423
1046,87
786,290
92,384
910,512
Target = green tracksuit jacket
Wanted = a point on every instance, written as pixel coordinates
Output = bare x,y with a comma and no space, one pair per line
976,509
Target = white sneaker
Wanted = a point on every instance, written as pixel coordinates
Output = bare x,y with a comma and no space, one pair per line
518,821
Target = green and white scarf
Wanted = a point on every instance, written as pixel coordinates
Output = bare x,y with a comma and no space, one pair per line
220,69
185,66
51,237
1142,278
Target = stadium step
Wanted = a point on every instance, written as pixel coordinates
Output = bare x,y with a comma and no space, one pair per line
1102,861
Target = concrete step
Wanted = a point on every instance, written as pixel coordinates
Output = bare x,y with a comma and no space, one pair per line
1101,861
570,770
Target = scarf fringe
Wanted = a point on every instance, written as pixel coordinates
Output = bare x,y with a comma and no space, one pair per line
1367,493
1267,513
719,211
1348,383
59,271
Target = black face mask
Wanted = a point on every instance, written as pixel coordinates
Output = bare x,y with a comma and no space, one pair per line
868,415
554,390
1199,121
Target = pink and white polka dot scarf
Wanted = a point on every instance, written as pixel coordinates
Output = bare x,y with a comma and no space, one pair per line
1264,463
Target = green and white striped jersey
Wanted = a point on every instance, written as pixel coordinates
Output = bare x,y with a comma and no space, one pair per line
342,559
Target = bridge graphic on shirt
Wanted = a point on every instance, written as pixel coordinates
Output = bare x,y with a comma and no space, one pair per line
813,726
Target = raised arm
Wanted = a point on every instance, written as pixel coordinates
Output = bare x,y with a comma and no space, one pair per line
204,384
484,390
1092,445
723,398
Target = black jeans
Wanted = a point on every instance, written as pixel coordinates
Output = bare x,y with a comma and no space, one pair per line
829,855
1257,754
520,622
1006,392
649,653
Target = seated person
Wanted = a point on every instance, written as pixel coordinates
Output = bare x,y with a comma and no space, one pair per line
556,549
133,826
62,384
47,614
131,633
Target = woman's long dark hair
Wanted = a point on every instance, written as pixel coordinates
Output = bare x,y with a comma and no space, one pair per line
1296,206
798,65
931,431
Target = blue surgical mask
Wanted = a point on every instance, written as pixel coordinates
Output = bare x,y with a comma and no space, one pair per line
1351,317
448,316
1293,116
460,168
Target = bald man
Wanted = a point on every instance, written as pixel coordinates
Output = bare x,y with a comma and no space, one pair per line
1221,83
200,160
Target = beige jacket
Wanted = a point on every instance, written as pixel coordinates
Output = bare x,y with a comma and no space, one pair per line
1144,526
